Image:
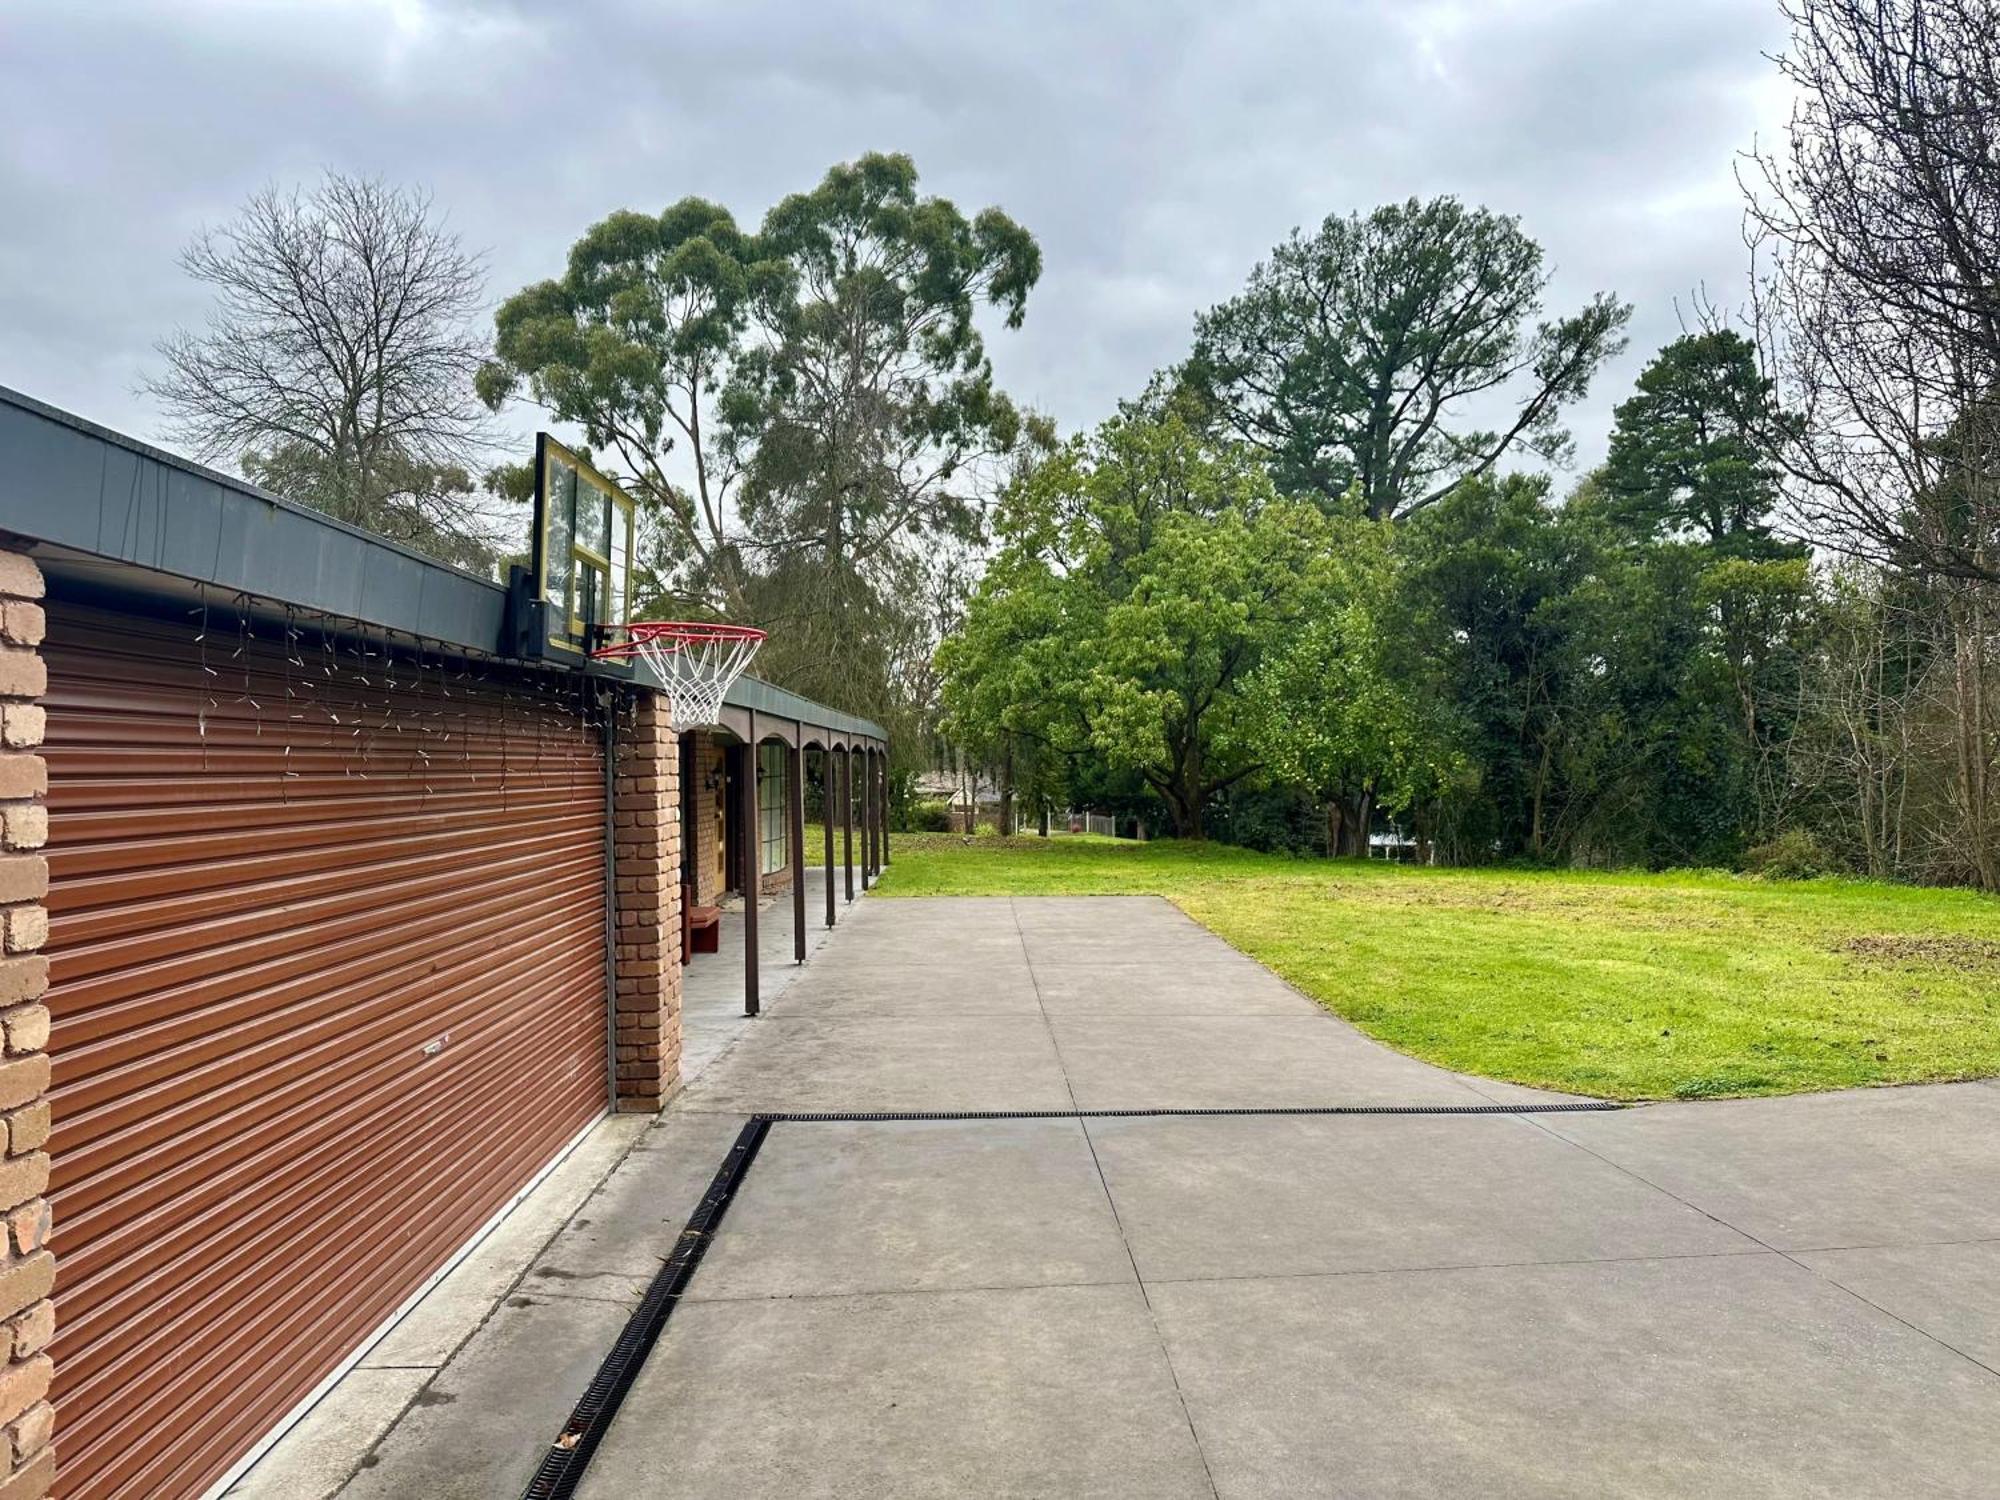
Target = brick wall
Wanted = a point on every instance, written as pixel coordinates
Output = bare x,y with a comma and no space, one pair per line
647,849
27,1269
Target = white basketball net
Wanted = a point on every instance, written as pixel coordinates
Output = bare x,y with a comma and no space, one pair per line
696,662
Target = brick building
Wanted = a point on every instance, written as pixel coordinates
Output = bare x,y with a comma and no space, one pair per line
326,927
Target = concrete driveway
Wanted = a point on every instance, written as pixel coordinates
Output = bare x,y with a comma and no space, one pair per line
1776,1297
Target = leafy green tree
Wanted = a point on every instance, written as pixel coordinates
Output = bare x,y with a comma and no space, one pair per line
1352,357
1519,628
807,413
1349,703
1761,616
635,344
1621,700
866,421
1690,455
1143,575
1692,467
1668,781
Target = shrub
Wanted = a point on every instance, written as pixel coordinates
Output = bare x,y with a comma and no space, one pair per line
1271,820
1795,854
930,817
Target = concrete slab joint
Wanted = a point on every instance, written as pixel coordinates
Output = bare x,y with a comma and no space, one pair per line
27,1269
646,852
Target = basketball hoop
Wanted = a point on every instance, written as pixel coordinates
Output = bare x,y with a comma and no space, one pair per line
696,659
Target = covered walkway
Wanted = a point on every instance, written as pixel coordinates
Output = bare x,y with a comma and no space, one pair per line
712,1014
1770,1297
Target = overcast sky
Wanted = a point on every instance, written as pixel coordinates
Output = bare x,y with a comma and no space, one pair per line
1156,149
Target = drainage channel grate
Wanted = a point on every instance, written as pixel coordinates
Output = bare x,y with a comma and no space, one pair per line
563,1466
807,1117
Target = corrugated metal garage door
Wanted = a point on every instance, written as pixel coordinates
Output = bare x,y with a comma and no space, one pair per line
328,948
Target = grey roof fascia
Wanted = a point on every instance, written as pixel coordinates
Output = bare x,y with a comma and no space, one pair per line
74,484
754,693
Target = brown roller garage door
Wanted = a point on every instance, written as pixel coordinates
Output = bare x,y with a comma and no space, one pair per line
328,948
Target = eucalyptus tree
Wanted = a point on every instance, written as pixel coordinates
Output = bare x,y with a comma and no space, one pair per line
635,344
807,411
865,416
863,413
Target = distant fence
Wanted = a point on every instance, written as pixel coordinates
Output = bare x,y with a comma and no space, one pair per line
1110,827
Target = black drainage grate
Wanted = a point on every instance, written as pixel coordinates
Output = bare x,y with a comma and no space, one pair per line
1588,1106
563,1465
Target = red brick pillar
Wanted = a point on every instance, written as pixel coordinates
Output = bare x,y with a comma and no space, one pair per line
646,842
27,1269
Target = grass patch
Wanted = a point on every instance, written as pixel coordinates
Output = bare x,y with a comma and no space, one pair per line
1626,986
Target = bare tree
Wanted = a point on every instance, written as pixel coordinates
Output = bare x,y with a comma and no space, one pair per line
1854,748
336,366
1877,229
1876,305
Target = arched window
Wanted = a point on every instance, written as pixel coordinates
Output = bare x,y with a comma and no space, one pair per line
771,820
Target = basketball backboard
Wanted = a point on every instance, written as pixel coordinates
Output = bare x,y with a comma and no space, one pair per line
581,561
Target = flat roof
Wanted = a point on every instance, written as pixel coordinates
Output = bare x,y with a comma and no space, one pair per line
99,494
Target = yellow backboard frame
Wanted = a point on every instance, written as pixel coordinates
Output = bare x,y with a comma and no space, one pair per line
567,552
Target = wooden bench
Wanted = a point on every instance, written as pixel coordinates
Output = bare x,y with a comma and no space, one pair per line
701,926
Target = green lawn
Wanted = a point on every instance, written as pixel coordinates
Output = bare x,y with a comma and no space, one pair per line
1626,986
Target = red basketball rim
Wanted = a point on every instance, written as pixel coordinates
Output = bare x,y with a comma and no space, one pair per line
675,635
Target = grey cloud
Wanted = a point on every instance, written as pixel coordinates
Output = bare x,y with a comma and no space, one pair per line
1157,150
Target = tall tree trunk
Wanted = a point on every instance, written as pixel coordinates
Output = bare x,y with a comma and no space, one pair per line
1007,791
1541,786
1974,738
1354,826
1183,798
1871,844
1188,819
